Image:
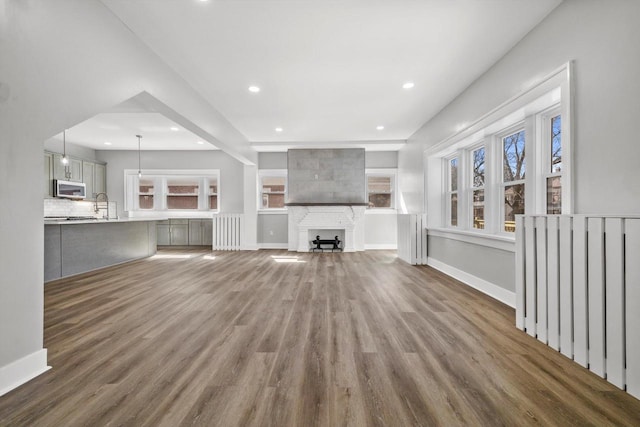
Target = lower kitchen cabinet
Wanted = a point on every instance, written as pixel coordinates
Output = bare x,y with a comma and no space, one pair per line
200,232
179,232
185,232
163,232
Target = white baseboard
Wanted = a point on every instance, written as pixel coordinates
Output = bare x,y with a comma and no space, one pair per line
494,291
380,246
22,370
273,246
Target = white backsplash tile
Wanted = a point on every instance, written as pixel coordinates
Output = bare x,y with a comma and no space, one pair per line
65,208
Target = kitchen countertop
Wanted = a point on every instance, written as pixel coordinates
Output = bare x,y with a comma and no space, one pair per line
97,221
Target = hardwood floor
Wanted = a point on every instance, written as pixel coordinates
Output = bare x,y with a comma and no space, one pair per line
264,338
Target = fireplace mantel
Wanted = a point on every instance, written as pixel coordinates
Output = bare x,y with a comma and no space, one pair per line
347,217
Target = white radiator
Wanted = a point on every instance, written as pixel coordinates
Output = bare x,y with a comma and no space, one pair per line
578,290
227,232
412,238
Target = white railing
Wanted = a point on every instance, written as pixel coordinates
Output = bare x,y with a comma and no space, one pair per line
412,238
227,232
578,290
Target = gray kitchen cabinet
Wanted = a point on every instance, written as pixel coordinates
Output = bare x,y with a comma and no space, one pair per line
100,179
88,177
48,175
74,167
185,232
195,232
94,176
163,233
207,232
200,232
179,232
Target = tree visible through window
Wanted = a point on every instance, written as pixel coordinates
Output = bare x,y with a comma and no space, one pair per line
514,168
554,179
453,191
478,188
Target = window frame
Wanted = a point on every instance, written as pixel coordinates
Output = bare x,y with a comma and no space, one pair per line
553,91
271,173
502,184
392,173
160,178
472,188
450,192
544,126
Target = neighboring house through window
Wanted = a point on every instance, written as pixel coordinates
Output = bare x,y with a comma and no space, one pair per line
272,188
381,188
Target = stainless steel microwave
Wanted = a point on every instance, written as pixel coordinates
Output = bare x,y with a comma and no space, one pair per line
69,190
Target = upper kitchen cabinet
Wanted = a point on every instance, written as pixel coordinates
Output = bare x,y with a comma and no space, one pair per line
74,168
94,175
100,179
88,177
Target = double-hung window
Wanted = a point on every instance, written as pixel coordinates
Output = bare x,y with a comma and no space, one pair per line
477,187
552,128
513,178
381,188
272,184
452,194
181,192
515,160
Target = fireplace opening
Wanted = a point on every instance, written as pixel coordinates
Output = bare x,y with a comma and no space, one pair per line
326,240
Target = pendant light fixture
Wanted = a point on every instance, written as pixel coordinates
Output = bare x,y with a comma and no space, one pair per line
139,168
65,160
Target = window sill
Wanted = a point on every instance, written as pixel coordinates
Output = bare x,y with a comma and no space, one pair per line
171,213
273,211
505,243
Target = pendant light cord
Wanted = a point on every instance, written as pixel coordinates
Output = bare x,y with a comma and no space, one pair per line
139,168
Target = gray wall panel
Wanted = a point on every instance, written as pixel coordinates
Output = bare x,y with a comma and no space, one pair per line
273,228
52,259
493,265
326,176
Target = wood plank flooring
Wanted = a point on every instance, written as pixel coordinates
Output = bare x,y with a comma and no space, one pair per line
266,338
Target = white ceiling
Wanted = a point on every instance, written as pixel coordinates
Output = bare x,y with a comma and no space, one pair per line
330,71
120,130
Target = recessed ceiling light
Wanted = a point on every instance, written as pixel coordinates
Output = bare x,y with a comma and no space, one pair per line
200,142
107,143
173,128
254,89
408,85
380,127
279,129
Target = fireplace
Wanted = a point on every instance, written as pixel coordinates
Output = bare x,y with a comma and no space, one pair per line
307,220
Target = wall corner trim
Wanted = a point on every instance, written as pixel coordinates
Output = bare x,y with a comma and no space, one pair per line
23,370
494,291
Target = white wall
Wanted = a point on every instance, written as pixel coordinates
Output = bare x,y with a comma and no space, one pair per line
231,172
61,63
601,37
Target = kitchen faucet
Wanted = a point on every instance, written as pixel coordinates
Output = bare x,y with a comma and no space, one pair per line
106,201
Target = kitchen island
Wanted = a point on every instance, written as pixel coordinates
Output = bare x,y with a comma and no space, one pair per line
78,246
